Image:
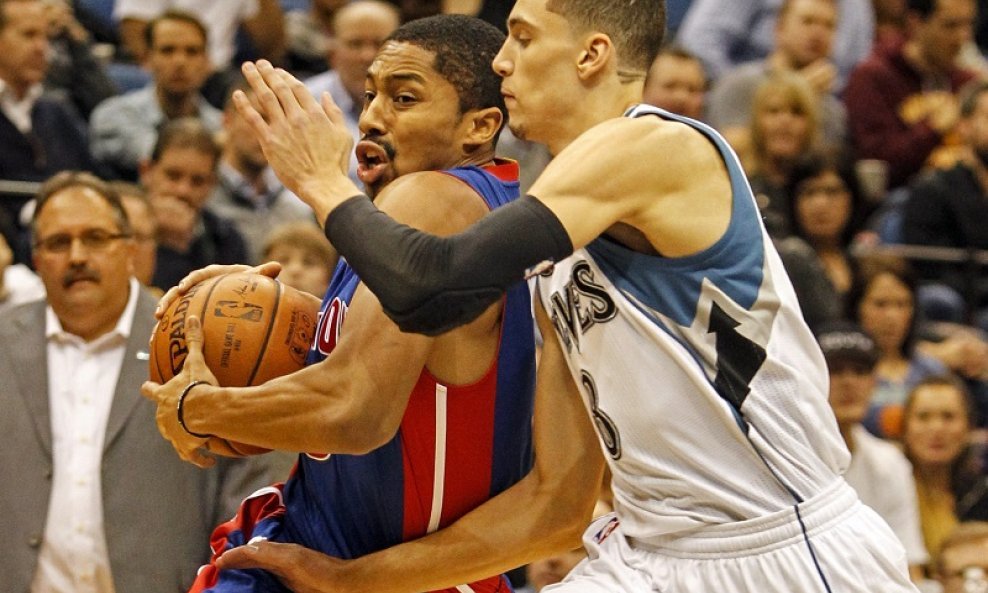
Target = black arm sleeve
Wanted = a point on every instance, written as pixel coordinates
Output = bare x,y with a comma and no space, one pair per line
429,284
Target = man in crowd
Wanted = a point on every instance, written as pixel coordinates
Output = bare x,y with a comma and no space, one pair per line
124,128
93,499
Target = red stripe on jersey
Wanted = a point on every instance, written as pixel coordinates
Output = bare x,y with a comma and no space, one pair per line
469,426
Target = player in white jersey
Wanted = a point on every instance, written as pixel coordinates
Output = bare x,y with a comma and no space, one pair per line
676,327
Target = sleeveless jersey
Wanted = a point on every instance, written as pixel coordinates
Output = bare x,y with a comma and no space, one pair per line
707,390
457,445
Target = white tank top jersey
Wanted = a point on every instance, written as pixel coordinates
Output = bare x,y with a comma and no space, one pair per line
706,387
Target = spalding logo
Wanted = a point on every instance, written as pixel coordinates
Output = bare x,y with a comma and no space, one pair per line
177,349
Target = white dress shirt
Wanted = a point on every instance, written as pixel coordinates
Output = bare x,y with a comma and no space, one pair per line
82,378
18,110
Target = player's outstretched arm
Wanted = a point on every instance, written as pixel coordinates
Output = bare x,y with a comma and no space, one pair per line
543,514
430,285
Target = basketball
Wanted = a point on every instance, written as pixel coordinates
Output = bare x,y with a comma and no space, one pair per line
254,328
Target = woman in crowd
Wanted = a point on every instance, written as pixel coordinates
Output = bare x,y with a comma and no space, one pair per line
951,484
784,126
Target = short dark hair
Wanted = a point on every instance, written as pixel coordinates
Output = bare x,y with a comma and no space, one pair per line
815,163
922,7
69,179
866,271
186,132
636,27
174,14
465,47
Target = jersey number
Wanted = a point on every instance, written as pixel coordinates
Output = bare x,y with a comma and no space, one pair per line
738,358
605,426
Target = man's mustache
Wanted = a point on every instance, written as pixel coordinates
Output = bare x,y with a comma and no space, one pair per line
77,274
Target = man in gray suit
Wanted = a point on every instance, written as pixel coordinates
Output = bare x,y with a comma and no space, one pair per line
93,499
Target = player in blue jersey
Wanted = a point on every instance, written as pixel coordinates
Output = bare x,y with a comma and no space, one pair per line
674,321
404,433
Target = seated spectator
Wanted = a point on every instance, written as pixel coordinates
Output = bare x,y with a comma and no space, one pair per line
784,125
677,82
883,300
826,213
901,102
951,484
728,33
247,191
361,27
262,21
804,36
963,564
307,258
879,472
179,177
75,70
40,134
949,207
308,35
124,128
143,231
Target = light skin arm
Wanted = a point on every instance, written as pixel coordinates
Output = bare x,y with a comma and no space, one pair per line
544,514
680,201
353,401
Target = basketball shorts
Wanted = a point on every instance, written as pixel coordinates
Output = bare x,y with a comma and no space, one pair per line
262,515
853,551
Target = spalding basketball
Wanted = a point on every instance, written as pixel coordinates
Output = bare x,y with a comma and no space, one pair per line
254,329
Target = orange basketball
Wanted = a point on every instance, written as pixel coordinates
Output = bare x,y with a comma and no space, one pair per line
254,329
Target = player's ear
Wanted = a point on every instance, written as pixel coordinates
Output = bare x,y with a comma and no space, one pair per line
597,52
482,126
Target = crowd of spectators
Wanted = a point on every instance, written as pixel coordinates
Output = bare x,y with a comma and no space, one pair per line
862,125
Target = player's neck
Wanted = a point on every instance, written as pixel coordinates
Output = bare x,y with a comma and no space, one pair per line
605,103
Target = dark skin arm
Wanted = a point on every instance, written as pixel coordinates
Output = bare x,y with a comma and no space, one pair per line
353,401
544,514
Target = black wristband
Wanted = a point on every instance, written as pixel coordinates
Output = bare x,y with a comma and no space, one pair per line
180,412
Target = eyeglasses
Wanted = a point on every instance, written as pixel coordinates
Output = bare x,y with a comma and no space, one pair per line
93,240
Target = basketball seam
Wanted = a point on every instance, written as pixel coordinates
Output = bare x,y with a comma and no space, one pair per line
267,333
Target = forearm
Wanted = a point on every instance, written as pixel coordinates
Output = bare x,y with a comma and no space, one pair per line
519,526
429,284
305,411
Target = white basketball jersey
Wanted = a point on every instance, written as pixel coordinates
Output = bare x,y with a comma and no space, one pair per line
707,389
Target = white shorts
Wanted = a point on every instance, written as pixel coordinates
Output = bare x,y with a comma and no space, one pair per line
854,548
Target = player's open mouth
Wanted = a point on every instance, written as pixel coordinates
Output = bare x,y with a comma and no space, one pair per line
372,161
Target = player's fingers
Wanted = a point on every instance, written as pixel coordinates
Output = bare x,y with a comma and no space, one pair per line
149,389
332,110
198,458
193,340
275,81
197,276
270,269
252,116
164,302
270,556
302,94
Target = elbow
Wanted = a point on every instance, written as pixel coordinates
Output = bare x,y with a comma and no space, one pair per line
362,429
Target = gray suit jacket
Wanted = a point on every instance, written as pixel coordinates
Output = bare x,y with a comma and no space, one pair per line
158,510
